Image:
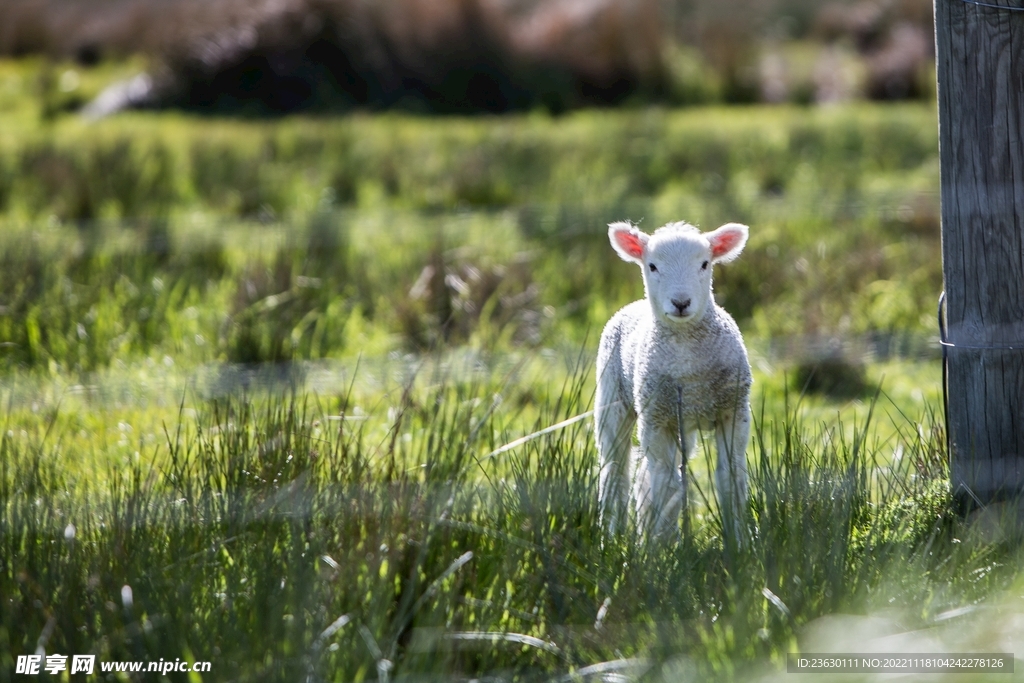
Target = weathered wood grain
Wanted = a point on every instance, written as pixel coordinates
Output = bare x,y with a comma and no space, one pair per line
980,69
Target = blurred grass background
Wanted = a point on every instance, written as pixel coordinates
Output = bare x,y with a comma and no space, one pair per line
137,234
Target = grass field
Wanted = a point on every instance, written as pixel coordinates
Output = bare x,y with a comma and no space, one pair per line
258,376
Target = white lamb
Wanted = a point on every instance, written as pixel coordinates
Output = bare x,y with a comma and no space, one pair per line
674,356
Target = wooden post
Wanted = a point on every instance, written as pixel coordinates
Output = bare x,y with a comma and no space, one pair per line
980,69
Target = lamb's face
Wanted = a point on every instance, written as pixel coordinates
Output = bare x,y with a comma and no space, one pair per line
676,263
677,275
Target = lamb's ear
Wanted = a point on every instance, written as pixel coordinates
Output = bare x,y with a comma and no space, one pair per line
727,242
629,242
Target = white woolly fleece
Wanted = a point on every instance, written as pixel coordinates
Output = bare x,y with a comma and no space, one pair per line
674,354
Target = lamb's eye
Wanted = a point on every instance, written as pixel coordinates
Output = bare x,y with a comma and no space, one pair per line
704,266
654,268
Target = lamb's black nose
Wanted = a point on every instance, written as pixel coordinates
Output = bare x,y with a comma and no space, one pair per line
681,306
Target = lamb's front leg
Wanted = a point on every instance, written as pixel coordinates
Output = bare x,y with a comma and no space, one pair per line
615,423
732,432
659,494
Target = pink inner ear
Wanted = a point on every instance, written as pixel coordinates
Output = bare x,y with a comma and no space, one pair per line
724,242
630,243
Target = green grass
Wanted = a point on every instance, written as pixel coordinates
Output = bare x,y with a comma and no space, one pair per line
205,239
253,524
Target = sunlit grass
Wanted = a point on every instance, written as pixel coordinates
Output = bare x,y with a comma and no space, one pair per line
209,239
250,525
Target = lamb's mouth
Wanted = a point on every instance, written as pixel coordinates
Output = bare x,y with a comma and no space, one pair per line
679,318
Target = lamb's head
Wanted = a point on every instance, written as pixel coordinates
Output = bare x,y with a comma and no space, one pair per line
676,263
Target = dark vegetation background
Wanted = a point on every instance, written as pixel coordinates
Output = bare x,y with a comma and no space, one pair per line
489,55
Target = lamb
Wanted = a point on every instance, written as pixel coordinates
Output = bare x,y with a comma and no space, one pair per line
672,363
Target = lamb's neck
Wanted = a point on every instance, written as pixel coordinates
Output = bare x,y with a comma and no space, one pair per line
692,331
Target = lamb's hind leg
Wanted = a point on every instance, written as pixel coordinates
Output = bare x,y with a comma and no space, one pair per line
732,434
659,493
614,421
